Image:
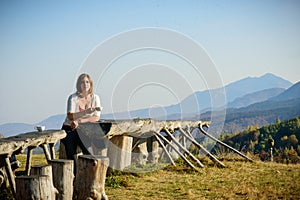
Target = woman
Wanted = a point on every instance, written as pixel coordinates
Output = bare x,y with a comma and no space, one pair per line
83,106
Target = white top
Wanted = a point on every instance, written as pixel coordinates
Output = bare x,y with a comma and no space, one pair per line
73,106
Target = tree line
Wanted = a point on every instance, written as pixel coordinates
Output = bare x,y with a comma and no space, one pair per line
282,137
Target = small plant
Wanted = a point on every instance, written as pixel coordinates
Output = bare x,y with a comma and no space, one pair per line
116,182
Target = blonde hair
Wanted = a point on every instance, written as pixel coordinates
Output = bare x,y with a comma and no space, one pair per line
80,80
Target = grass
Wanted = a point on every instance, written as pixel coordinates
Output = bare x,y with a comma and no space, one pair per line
239,180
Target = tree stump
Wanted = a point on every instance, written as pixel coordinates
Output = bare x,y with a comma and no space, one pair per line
63,178
90,177
34,187
44,170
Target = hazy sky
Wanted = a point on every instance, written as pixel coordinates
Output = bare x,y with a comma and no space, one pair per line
43,45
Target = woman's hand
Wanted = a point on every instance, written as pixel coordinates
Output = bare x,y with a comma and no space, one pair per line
74,124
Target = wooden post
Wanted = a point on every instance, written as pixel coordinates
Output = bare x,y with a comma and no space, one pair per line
119,152
165,150
184,149
52,150
10,175
190,137
179,153
153,149
139,151
63,176
90,177
34,187
222,143
28,160
46,151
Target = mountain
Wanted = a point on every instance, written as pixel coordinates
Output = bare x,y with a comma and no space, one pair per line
53,122
283,106
291,93
255,97
254,84
201,101
11,129
260,114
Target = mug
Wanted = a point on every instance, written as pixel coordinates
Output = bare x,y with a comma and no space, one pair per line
40,128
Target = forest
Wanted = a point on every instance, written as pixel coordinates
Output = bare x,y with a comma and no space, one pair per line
282,137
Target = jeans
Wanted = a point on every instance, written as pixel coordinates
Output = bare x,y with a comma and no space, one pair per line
71,141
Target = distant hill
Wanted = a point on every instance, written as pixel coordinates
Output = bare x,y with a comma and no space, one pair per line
10,129
201,100
255,84
292,93
282,106
255,97
260,114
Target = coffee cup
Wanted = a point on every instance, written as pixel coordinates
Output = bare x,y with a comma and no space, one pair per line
40,128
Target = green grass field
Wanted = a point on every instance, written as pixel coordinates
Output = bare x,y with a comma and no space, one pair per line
239,180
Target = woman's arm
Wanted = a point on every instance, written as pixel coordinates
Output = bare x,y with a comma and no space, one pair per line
77,121
88,119
77,115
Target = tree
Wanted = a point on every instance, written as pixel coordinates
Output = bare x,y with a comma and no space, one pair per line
278,120
293,140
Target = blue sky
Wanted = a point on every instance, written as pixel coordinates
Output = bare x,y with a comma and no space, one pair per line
44,43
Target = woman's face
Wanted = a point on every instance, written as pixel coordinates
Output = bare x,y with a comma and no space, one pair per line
85,84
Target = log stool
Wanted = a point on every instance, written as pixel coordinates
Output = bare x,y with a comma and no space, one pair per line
90,177
63,176
36,187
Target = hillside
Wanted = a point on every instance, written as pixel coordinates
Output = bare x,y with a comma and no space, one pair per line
283,106
292,93
255,97
286,136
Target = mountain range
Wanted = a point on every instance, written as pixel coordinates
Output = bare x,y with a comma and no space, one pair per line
251,101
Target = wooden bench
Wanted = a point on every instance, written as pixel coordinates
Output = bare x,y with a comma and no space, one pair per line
17,144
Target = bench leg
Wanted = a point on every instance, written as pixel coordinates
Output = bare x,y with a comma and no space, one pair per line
52,151
46,151
10,176
28,160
